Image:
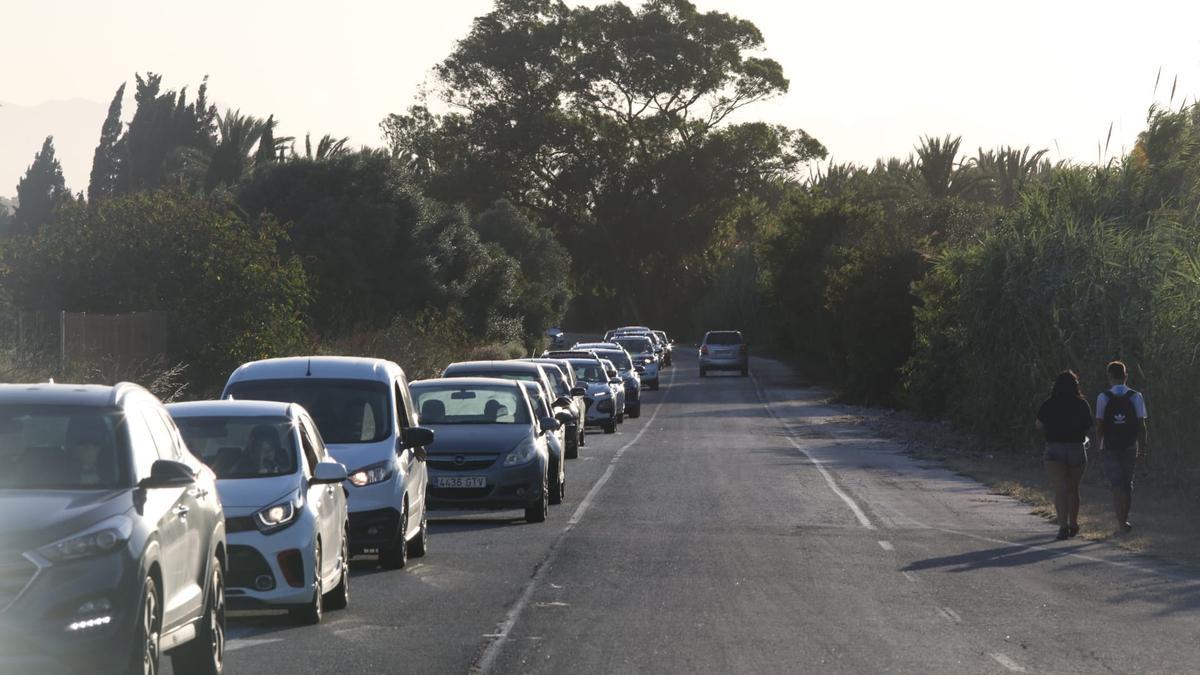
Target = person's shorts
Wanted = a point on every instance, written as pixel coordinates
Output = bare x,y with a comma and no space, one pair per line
1071,454
1118,468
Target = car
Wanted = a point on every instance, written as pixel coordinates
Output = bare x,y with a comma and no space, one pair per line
599,394
668,347
661,346
724,350
632,402
491,450
112,537
645,359
284,500
619,388
364,412
563,379
514,370
555,440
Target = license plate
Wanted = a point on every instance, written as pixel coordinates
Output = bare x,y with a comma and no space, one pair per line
461,481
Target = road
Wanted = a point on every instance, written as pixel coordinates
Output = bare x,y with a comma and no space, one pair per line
743,525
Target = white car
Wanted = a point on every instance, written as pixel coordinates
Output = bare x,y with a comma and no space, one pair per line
556,440
285,507
364,411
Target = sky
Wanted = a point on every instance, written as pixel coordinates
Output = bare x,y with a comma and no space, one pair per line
868,78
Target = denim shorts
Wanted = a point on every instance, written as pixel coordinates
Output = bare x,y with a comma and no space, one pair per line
1071,454
1118,467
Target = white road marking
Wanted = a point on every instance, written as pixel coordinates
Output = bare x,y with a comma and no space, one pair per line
910,576
950,615
1007,662
886,545
487,659
242,643
858,512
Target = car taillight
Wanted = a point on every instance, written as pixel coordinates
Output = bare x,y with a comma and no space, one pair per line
703,349
744,349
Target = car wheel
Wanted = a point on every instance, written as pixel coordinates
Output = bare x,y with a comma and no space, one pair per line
654,387
312,612
395,557
555,486
419,546
536,512
610,427
572,450
205,654
339,597
146,647
636,411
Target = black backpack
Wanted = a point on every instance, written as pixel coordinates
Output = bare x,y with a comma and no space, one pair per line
1121,424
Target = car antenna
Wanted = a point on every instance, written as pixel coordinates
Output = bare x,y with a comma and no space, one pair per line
308,371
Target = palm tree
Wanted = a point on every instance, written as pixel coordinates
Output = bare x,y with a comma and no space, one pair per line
327,148
1008,171
941,174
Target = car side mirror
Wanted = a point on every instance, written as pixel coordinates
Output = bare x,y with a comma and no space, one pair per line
165,473
640,369
563,417
562,402
578,391
329,472
414,437
549,424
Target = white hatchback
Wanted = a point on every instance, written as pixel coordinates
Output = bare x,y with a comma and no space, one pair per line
284,501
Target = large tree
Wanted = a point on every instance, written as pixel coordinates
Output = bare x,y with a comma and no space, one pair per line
612,126
106,163
40,191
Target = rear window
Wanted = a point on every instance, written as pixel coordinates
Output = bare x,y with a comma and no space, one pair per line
46,447
242,447
346,411
725,337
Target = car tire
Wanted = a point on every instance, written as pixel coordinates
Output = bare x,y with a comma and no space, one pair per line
636,411
609,427
556,486
205,654
572,449
419,546
654,387
339,597
621,417
537,511
146,648
311,613
395,557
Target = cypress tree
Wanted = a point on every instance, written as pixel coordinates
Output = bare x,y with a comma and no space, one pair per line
106,162
40,190
266,145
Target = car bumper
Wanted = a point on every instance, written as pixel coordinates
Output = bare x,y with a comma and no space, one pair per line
369,530
506,487
35,631
271,569
724,363
596,417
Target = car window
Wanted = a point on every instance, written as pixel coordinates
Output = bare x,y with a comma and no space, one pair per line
164,440
619,359
636,345
588,371
143,450
445,403
62,447
312,454
346,411
401,411
540,405
237,447
723,338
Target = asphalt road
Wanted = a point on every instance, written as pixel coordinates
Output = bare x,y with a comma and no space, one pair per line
744,526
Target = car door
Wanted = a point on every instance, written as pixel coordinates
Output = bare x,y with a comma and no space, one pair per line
322,498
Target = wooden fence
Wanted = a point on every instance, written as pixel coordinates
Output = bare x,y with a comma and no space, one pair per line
78,336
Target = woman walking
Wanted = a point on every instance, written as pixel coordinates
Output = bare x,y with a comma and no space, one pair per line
1066,419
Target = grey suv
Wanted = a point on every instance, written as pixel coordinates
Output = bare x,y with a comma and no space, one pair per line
724,350
112,538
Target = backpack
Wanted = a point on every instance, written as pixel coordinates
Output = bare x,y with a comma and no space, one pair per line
1121,424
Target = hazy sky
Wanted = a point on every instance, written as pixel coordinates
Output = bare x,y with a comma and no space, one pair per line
868,77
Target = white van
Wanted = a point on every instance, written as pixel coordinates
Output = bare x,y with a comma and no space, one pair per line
364,412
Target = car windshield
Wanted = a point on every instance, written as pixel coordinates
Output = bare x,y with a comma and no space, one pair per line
588,371
444,403
635,345
62,448
619,358
723,338
346,411
242,447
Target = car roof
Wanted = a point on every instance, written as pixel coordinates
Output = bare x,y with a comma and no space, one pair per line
466,382
572,354
496,366
722,331
88,395
318,367
232,408
632,328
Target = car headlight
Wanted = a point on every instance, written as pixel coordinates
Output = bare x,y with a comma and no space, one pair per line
601,394
104,537
369,475
278,516
522,454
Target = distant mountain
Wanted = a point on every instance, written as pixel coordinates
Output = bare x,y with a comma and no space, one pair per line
75,125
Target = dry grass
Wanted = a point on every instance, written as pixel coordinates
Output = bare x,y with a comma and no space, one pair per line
1163,512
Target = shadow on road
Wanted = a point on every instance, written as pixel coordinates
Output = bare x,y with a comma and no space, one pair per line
1001,556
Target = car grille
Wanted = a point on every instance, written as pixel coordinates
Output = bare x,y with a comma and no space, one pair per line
239,524
245,565
465,464
15,574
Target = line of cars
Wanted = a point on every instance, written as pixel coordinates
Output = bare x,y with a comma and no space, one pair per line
129,528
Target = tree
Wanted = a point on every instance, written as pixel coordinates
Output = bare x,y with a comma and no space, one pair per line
611,127
327,148
106,163
238,135
40,191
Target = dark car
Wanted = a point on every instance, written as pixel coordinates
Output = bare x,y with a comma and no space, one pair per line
112,537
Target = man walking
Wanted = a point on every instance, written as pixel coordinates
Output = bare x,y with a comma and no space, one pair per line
1121,419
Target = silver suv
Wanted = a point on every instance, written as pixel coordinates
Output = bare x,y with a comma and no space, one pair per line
724,350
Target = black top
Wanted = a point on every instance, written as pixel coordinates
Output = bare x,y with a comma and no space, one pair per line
1066,420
